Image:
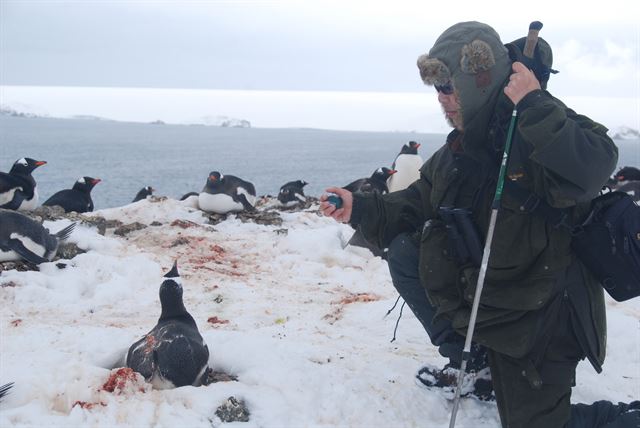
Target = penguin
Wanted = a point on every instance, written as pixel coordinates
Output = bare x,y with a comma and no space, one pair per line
22,238
76,199
143,193
4,389
376,183
18,189
173,353
226,193
292,193
407,166
628,173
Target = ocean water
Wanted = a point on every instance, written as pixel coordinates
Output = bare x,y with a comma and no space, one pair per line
176,159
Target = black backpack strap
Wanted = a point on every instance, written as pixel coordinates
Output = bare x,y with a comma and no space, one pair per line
531,203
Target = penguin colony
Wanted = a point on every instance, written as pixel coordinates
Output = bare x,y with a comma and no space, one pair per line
173,353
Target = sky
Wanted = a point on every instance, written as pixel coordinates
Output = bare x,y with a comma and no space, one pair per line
368,46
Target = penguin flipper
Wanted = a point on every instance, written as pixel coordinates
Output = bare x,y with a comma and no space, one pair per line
17,246
14,203
245,203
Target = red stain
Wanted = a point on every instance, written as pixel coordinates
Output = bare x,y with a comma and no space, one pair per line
216,320
86,405
358,297
16,322
118,380
150,342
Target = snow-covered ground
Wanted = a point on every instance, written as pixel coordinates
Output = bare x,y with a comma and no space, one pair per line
298,319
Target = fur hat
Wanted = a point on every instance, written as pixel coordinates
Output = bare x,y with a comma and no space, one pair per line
472,57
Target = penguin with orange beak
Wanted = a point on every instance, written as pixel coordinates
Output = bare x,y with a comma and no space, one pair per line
77,199
18,189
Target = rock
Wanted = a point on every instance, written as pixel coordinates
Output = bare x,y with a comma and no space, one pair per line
20,266
233,410
128,228
68,250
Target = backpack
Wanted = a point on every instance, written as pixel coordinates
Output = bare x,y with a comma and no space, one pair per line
607,241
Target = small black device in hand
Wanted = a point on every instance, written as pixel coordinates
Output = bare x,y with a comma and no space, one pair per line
335,200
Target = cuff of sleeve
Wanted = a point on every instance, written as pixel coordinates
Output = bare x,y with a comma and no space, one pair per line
532,98
360,201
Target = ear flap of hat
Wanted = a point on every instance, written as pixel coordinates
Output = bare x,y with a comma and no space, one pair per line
433,71
476,57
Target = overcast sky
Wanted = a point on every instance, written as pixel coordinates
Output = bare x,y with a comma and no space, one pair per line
302,45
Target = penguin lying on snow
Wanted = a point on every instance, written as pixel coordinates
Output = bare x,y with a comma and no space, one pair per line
407,166
628,173
173,353
143,193
376,183
292,193
17,187
4,389
76,199
24,238
226,193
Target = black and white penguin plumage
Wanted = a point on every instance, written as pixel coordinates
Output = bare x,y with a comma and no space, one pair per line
4,389
18,190
188,195
173,353
407,166
77,199
226,193
376,183
22,238
292,193
632,188
143,193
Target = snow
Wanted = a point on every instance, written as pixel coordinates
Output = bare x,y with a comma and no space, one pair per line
307,348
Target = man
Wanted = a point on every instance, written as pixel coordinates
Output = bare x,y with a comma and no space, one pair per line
541,311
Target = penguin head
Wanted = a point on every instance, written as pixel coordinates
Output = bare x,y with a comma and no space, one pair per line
411,148
171,294
628,173
214,179
149,190
301,183
382,174
25,166
85,184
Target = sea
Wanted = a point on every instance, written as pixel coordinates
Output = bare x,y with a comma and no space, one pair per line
177,159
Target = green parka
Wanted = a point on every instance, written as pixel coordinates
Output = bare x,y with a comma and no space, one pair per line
558,155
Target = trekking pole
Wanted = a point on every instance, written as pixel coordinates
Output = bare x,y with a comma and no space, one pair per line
530,44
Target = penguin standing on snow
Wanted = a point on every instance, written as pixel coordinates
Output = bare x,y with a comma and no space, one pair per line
76,199
173,353
143,193
407,166
376,183
226,193
17,187
292,193
22,238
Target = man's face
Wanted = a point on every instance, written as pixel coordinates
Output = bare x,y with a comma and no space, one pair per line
451,108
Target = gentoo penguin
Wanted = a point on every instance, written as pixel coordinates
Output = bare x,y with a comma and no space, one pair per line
76,199
4,389
143,193
376,183
24,238
292,193
17,187
226,193
628,173
173,353
407,166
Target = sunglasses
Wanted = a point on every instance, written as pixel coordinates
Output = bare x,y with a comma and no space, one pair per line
446,89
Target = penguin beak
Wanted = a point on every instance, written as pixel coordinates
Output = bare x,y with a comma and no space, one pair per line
212,178
96,181
40,163
393,171
418,146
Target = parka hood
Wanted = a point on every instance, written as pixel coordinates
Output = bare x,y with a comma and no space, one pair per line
472,57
